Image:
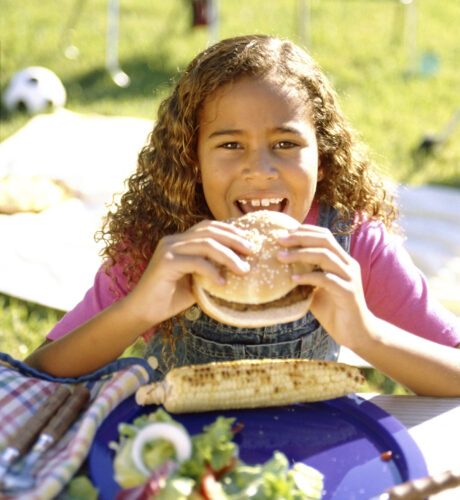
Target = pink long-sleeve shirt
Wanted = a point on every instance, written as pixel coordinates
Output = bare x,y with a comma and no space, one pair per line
394,288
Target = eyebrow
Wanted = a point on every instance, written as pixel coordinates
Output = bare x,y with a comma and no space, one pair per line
218,133
288,129
283,129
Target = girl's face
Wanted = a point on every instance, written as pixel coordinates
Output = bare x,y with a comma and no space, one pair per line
257,149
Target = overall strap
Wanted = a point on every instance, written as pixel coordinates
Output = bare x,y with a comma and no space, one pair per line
329,217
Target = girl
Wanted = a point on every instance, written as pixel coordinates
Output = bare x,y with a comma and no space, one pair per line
253,123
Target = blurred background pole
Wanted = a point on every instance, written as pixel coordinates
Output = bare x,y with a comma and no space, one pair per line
304,18
70,50
111,55
411,35
213,21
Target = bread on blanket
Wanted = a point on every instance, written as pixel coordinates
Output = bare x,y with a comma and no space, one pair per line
31,194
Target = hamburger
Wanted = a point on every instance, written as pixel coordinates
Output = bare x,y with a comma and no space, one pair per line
266,295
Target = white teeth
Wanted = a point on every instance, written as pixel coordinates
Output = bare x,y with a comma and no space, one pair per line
264,202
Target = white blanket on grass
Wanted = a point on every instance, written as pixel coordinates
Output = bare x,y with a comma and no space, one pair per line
51,258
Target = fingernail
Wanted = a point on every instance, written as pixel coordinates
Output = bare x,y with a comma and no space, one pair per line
244,266
283,253
284,235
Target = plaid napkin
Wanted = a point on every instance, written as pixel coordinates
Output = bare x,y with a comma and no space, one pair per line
23,390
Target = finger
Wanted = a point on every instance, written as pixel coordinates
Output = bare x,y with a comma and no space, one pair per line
307,228
226,234
313,237
212,250
327,281
327,260
225,226
349,282
221,226
186,264
317,278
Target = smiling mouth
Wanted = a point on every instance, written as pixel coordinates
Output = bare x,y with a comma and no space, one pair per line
252,205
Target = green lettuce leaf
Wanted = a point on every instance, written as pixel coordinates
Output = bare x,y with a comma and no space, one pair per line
214,447
177,488
154,454
272,481
80,488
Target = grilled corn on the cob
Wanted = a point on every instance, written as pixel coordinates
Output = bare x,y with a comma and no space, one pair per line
250,384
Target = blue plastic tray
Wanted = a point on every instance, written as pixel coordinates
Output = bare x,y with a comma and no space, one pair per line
344,438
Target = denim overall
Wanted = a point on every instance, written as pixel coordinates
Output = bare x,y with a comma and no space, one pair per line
208,340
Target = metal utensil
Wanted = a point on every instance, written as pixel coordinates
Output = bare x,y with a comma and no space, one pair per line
56,427
419,489
28,432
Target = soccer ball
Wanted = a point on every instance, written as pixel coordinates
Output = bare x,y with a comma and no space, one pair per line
34,89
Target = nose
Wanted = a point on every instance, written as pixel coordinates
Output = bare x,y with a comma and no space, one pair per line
260,164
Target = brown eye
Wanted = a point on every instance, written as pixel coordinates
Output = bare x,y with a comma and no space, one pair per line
230,145
285,145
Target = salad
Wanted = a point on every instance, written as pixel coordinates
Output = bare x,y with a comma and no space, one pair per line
156,458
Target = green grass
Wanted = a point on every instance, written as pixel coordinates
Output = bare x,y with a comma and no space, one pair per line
24,325
360,44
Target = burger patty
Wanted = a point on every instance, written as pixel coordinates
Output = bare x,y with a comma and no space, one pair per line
297,294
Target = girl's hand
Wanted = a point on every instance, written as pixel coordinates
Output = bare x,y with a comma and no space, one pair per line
338,303
165,287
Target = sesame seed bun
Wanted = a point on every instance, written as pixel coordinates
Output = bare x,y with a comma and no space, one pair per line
266,295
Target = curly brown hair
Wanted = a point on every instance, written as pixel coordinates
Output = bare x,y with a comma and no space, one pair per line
164,195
